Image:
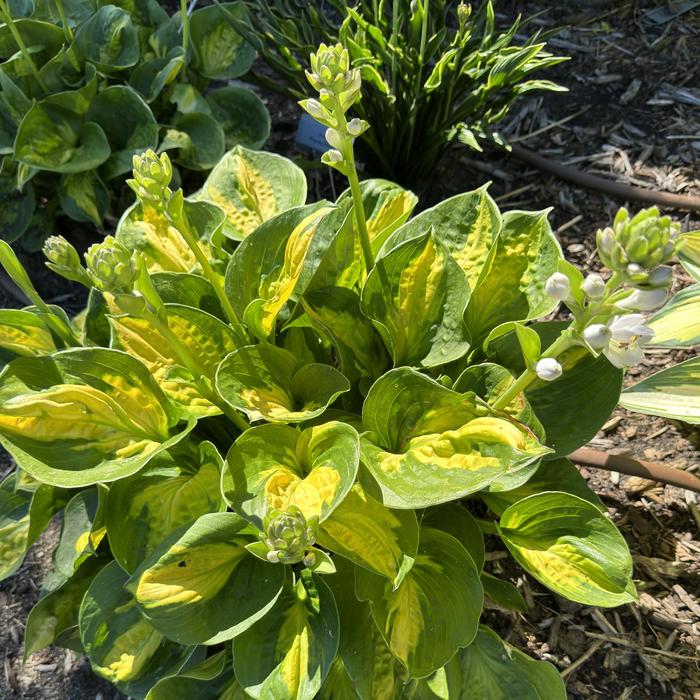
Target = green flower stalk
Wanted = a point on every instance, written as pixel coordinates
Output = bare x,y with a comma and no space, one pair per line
636,250
288,536
151,184
339,87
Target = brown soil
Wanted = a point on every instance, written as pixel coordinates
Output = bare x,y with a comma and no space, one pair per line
636,106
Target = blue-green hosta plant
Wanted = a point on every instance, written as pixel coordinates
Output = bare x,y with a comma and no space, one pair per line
87,84
280,432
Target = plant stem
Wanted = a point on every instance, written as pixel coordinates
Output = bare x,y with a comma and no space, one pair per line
183,227
185,26
562,343
20,43
360,216
67,31
354,181
419,75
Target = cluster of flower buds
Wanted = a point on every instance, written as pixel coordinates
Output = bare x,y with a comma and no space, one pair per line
339,87
111,266
289,536
63,259
152,177
638,248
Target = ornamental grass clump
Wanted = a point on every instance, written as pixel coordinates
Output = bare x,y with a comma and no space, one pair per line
435,74
280,432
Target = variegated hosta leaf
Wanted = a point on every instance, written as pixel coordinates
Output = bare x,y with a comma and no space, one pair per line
24,333
436,609
53,621
338,685
386,205
24,515
187,289
375,672
689,254
457,521
212,679
428,444
677,324
416,296
551,475
266,382
673,392
202,586
207,338
144,229
82,416
252,187
371,535
300,635
568,545
489,380
335,312
14,526
468,224
491,669
277,261
510,286
83,530
122,645
176,489
273,467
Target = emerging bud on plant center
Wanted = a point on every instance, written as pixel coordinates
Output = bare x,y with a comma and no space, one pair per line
548,369
288,535
594,286
558,286
111,266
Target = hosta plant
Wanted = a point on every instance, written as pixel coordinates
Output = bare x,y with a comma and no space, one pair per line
280,432
435,73
85,85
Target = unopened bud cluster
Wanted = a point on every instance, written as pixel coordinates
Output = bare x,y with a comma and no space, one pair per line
288,536
338,86
111,266
152,176
63,259
637,248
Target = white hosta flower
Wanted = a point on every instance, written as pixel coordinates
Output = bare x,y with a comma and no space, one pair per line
594,286
644,300
558,286
628,336
548,369
597,335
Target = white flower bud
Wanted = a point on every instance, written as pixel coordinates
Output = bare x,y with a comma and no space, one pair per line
558,286
660,277
644,300
548,369
273,556
334,156
334,138
597,335
634,269
357,126
594,286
